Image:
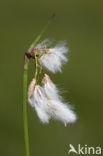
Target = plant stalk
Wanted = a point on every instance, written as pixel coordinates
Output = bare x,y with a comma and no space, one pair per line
36,68
25,113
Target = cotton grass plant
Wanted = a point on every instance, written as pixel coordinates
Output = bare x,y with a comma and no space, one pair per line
43,95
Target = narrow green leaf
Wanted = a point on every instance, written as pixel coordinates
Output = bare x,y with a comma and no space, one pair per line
41,33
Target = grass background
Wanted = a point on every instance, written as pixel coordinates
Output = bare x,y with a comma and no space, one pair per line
81,24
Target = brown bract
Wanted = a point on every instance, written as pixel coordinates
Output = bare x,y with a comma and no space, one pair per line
38,52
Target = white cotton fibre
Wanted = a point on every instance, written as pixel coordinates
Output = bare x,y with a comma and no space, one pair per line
55,58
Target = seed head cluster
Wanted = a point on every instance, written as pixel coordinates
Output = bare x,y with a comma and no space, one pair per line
45,98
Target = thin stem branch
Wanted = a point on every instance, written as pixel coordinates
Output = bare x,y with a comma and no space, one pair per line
36,67
25,114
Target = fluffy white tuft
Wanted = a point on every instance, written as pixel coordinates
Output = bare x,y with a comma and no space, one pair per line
48,103
61,111
43,44
39,102
50,88
55,58
57,108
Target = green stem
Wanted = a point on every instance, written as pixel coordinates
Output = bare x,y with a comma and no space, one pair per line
36,67
25,117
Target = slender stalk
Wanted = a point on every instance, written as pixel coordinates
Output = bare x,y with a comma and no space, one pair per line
36,68
25,114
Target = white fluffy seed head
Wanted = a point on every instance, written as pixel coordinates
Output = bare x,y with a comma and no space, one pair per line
37,100
61,112
40,104
57,108
55,58
50,88
45,43
47,102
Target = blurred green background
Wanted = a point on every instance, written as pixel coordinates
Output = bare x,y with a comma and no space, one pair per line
81,24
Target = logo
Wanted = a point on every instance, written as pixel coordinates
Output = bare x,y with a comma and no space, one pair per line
84,150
